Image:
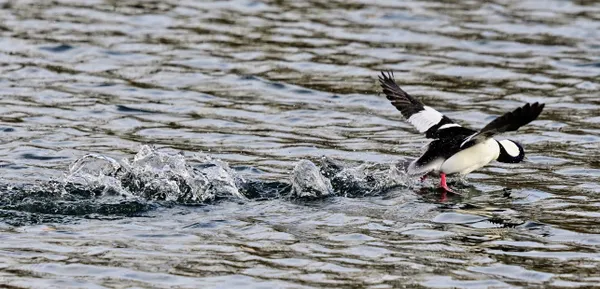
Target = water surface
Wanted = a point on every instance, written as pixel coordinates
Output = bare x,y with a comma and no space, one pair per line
232,96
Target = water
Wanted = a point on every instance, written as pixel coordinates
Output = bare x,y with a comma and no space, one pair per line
245,144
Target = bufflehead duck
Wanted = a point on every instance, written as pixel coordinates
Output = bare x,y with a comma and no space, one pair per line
456,149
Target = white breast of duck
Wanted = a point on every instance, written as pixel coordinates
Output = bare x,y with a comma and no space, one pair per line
471,158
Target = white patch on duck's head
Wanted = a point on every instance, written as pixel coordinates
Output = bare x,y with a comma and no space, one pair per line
512,148
510,152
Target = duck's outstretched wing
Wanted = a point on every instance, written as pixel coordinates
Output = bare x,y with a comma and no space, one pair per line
510,121
424,118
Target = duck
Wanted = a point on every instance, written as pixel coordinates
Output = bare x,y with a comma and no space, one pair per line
454,149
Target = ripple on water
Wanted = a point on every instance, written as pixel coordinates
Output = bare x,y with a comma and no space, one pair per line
456,218
448,282
579,172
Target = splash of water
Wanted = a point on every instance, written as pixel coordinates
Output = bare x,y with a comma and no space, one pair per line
308,182
337,178
102,186
365,179
154,175
93,176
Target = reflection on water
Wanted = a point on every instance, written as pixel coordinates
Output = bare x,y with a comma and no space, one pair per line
247,90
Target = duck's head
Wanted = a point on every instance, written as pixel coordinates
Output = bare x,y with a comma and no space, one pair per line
510,152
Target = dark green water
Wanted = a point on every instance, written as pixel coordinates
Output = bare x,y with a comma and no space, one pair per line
233,95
